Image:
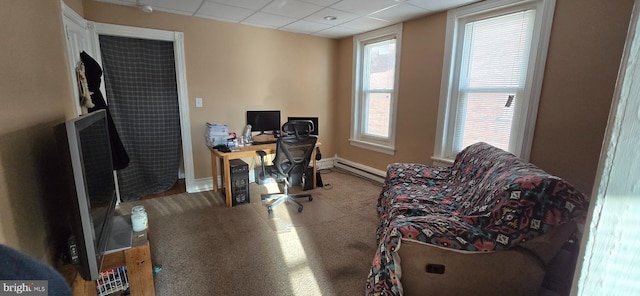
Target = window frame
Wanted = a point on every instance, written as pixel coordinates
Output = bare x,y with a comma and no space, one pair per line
358,116
523,128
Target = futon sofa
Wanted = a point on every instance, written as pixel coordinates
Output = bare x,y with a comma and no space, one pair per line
488,225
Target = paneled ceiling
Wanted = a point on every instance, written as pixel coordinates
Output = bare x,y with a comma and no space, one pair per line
325,18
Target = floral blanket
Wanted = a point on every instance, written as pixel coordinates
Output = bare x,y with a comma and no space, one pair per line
488,200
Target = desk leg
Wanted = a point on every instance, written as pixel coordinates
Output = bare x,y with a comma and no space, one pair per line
227,180
313,159
214,171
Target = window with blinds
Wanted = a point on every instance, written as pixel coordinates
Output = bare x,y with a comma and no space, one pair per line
494,57
493,68
375,86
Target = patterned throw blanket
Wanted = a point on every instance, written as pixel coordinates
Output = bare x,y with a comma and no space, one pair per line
488,200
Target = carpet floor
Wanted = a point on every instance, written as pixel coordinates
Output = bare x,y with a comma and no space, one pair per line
205,248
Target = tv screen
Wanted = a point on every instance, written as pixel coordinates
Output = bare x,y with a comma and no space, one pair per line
264,121
313,119
86,151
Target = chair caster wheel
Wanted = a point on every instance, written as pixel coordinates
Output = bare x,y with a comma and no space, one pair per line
299,210
310,198
269,210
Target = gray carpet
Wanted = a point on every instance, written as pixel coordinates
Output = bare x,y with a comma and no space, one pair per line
205,248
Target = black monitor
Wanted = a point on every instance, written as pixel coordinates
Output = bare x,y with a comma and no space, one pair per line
313,119
264,121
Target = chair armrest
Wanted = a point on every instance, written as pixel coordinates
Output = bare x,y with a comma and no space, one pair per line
415,173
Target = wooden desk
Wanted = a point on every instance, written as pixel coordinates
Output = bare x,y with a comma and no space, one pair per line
243,152
139,269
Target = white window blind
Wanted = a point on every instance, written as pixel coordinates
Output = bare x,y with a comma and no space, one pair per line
493,68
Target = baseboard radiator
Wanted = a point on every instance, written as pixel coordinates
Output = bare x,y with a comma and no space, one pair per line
360,170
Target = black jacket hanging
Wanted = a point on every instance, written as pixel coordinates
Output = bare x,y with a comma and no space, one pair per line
93,73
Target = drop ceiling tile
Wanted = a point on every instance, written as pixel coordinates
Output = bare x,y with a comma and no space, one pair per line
249,4
120,2
321,2
174,11
336,32
400,13
342,16
183,5
366,24
439,4
268,20
291,8
305,27
224,12
279,14
363,7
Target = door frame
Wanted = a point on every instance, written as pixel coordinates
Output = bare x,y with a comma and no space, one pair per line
95,29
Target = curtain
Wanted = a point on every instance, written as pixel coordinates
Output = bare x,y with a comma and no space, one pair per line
140,82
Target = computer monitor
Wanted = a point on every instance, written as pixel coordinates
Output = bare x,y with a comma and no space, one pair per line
264,121
313,119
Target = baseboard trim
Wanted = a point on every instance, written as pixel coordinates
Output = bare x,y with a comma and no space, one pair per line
360,169
203,184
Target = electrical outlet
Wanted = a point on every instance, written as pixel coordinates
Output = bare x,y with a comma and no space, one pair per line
198,102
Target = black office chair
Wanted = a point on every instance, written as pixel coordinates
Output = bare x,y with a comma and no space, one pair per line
293,153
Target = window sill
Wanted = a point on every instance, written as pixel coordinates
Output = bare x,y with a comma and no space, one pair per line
374,147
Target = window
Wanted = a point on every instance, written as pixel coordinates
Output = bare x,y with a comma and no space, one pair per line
492,75
376,57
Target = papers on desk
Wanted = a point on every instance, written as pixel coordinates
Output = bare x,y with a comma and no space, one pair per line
216,134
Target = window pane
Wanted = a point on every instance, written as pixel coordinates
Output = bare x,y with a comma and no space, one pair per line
484,117
378,108
494,66
497,51
381,59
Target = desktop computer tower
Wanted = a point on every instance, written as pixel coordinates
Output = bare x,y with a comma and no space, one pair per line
239,182
307,179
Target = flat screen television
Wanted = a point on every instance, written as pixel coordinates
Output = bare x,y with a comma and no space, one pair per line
264,121
313,119
90,191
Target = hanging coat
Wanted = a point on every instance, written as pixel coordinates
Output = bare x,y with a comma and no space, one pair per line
93,72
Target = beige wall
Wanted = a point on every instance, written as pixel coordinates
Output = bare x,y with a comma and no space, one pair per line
586,46
418,95
584,55
236,68
76,5
33,87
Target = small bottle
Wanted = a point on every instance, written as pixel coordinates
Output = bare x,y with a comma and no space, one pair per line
139,219
241,141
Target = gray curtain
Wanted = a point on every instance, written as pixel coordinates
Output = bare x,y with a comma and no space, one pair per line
140,82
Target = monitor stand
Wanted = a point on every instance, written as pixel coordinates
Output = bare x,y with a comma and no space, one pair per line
121,234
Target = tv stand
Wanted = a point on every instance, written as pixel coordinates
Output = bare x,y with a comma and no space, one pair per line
137,259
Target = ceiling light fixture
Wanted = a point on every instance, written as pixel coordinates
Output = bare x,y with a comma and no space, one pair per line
330,18
147,8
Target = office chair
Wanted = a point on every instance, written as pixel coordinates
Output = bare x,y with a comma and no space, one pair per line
293,153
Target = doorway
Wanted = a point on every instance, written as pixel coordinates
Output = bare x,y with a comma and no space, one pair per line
83,35
156,38
141,88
